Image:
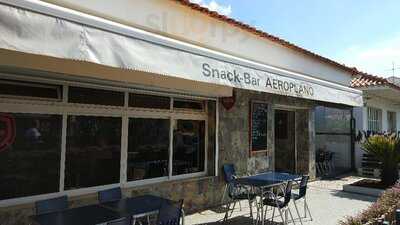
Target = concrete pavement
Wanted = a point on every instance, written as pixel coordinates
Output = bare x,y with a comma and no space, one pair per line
328,204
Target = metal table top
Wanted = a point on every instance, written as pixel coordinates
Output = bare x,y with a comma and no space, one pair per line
267,179
86,215
137,206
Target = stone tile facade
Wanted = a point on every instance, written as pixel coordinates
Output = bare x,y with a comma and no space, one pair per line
205,192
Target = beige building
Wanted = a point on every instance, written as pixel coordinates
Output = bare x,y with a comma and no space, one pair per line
152,96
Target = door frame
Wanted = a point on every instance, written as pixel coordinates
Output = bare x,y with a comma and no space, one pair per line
289,109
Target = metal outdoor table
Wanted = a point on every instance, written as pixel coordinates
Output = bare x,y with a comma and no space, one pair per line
86,215
266,181
137,207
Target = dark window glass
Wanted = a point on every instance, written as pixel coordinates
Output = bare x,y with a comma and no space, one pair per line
30,149
332,120
188,104
93,151
148,148
17,88
149,101
189,152
95,96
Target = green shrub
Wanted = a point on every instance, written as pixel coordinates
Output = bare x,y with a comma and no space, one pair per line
386,148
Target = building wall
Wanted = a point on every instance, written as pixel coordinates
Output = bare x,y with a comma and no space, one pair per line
182,23
361,116
204,192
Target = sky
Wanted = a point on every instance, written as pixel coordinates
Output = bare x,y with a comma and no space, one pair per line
360,33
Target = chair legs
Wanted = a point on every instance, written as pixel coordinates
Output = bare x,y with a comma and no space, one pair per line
308,209
298,213
223,195
283,213
229,210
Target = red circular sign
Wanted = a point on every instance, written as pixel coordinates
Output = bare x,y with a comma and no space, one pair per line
7,131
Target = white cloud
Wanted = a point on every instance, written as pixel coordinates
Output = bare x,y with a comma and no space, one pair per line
376,59
215,6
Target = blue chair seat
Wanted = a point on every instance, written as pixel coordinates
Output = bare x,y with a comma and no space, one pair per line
296,196
274,203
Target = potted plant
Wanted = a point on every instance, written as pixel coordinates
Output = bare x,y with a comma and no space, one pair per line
386,148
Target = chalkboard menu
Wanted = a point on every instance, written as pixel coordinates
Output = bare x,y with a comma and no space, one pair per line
258,126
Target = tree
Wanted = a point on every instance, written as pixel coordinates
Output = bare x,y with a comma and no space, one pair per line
386,148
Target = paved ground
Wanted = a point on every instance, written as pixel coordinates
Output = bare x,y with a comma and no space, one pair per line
327,201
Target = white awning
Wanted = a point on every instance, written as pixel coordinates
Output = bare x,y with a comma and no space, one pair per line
36,27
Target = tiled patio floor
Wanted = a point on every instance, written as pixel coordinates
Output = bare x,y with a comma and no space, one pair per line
327,202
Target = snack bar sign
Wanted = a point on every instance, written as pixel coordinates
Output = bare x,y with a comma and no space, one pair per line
259,80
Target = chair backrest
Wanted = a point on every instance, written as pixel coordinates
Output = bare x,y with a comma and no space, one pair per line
303,186
288,193
170,213
229,172
110,195
122,221
51,205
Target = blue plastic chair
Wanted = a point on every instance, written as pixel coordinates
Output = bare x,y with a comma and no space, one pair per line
302,195
229,177
229,172
170,213
51,205
282,206
110,195
235,191
122,221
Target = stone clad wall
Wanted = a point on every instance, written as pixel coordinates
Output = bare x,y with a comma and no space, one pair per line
205,192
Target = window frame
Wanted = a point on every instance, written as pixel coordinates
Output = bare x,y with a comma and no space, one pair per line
374,119
62,107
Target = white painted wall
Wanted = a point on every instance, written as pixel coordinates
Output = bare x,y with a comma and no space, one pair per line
180,22
360,114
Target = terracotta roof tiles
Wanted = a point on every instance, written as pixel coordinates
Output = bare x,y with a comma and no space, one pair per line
368,80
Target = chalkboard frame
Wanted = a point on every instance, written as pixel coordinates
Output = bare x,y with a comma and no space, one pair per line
251,149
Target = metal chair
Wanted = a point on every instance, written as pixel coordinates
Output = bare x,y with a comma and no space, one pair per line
282,206
110,195
170,213
236,192
302,195
122,221
51,205
229,175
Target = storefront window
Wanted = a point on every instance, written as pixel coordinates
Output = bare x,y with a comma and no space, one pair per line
188,104
95,96
30,149
167,139
149,101
93,151
32,90
188,149
148,148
